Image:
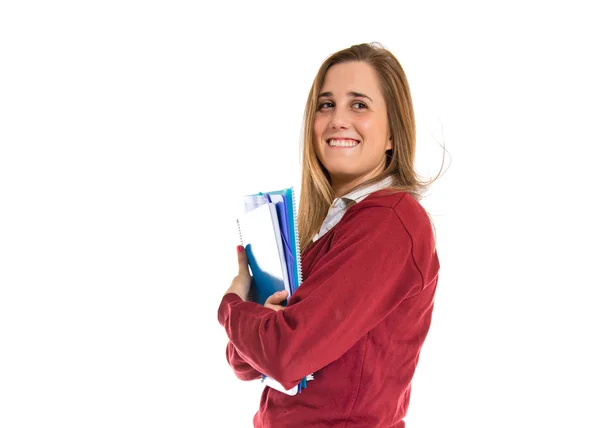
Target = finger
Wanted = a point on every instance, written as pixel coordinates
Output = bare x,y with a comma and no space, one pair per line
276,298
242,260
274,307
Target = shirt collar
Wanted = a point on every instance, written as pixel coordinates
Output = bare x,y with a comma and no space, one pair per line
359,194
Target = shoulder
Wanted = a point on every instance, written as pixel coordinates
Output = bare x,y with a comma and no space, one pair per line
391,221
376,217
401,205
392,215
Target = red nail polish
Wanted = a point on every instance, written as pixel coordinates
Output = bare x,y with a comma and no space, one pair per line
240,248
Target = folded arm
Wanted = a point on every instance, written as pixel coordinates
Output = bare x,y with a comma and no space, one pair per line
241,368
366,274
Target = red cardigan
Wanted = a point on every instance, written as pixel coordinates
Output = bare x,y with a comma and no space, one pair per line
358,321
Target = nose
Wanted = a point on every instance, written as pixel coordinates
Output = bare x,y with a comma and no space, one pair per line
339,119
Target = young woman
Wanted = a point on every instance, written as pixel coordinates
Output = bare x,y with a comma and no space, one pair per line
370,266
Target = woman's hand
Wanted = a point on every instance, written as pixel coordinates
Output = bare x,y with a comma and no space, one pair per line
273,302
241,283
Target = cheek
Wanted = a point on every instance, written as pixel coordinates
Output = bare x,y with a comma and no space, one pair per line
371,127
318,127
317,133
365,126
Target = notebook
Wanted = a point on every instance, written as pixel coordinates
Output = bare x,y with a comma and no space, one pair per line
268,230
260,232
285,204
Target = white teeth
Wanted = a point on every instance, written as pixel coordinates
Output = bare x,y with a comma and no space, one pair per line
342,143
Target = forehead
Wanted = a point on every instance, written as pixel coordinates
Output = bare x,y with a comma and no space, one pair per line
351,76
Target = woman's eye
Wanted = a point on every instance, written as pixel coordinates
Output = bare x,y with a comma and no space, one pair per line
328,104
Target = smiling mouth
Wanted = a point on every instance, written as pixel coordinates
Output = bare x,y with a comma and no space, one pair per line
345,143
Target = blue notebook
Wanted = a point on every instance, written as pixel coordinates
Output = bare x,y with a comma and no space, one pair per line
268,230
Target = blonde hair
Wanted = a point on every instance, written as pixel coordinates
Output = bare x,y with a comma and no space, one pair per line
317,193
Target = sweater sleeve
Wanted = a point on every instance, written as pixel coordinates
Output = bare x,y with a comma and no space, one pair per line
241,368
367,272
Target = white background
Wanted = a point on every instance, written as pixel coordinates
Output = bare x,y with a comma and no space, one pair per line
129,131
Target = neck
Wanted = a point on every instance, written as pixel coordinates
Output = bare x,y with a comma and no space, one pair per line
344,184
342,187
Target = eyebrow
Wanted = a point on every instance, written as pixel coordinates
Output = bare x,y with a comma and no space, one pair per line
350,94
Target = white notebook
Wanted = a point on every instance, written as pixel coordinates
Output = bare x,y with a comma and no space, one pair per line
260,234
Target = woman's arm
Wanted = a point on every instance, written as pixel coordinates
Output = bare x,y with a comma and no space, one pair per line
241,368
371,267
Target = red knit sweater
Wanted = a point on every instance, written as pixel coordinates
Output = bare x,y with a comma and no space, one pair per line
358,321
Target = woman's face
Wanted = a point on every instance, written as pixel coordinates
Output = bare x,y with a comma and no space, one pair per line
351,127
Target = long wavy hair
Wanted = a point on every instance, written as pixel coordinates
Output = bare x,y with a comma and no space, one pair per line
317,194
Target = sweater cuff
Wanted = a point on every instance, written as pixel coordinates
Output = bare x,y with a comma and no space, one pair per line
224,308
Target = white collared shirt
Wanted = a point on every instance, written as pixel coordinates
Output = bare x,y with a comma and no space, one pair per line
340,205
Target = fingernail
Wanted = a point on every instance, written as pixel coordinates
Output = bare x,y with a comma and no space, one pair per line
240,248
280,292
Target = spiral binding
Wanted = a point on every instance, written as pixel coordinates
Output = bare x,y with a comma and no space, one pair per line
297,236
311,376
239,226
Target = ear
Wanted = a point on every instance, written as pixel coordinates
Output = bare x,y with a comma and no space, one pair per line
389,144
